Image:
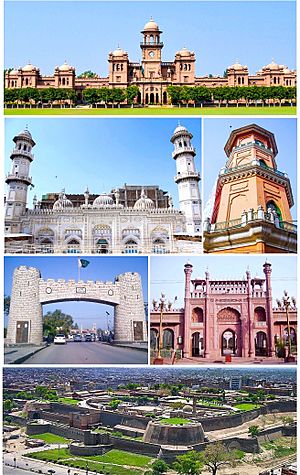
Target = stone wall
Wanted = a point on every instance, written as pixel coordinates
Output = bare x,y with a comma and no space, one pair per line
165,434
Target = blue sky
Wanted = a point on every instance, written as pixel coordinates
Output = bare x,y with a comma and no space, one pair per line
217,131
104,268
83,33
101,153
167,273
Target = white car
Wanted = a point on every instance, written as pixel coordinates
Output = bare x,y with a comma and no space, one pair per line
60,339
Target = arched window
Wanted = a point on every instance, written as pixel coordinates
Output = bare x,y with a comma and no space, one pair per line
151,39
271,205
131,247
261,344
197,315
168,339
260,314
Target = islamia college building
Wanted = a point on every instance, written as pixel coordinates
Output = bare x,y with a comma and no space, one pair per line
224,317
152,75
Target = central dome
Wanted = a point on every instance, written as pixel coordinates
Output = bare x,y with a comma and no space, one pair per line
119,52
103,200
151,26
65,67
63,202
143,202
28,67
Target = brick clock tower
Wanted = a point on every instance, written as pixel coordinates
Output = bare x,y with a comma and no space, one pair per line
151,51
251,212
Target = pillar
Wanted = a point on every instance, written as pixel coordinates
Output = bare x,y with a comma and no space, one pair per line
269,310
188,269
130,320
25,321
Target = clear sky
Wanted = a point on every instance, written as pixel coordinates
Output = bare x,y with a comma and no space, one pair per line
101,153
216,133
167,273
104,268
83,32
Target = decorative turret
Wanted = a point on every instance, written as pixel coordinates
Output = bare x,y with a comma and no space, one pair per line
151,50
18,180
187,179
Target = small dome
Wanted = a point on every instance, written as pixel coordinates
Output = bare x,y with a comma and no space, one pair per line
119,52
187,408
65,67
28,67
62,202
274,66
103,200
143,202
13,72
151,26
25,133
184,52
237,66
180,128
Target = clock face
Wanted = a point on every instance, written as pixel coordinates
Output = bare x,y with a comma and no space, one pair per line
151,54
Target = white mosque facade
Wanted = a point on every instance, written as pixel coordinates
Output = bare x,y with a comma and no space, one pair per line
104,224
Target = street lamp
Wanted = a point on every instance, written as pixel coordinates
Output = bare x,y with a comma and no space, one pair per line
287,303
162,304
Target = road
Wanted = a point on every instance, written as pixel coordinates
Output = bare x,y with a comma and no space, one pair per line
87,353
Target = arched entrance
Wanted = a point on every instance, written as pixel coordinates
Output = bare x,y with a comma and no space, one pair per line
73,247
131,247
197,344
159,246
151,98
154,339
168,339
102,246
165,97
229,342
261,344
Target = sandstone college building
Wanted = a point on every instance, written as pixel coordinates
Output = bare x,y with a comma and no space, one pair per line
152,75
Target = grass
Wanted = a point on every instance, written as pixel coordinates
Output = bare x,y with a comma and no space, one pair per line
282,447
68,400
50,438
182,111
176,421
247,406
111,463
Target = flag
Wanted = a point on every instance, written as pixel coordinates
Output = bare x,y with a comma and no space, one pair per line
83,263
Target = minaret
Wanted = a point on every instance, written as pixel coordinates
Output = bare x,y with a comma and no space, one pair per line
187,179
18,180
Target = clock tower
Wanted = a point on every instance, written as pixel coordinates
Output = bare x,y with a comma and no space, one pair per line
151,51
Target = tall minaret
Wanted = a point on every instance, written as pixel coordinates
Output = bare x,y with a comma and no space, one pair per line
18,180
187,179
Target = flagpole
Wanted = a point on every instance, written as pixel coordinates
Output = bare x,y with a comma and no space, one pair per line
78,264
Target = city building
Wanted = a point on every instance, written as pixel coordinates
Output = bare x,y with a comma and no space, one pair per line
251,209
126,220
224,318
152,75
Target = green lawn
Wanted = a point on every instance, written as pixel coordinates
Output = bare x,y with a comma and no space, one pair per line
50,438
160,111
175,421
247,406
68,400
111,463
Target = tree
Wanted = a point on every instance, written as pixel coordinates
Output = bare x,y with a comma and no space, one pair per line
57,321
159,466
189,463
114,403
217,455
287,420
8,405
131,93
6,304
253,431
87,74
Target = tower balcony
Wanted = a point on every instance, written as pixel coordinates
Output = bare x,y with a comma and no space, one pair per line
21,178
183,175
23,153
152,45
190,149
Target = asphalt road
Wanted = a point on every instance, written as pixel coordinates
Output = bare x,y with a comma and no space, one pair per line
87,353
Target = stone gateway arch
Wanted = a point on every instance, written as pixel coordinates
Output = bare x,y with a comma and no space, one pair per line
30,292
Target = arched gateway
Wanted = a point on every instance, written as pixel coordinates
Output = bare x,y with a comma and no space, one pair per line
30,292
